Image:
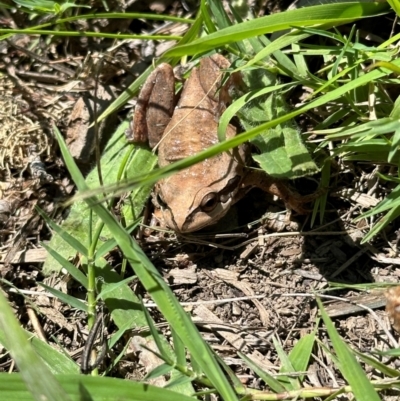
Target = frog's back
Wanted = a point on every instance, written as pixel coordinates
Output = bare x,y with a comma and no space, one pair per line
193,126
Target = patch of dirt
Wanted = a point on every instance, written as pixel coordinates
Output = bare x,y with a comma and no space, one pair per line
245,299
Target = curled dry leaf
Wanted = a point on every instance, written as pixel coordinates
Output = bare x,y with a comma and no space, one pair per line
393,306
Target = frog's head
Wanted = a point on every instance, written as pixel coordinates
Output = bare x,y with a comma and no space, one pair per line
191,200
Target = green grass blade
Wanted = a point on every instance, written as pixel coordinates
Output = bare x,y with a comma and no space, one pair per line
133,89
320,203
238,104
394,151
353,373
72,269
377,365
115,15
395,4
274,48
273,383
222,21
56,361
237,384
127,313
390,352
68,238
391,202
300,355
160,370
179,348
208,22
33,369
111,244
339,13
290,383
84,388
383,222
179,380
154,283
157,338
68,299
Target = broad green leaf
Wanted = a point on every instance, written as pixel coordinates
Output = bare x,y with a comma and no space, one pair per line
107,288
240,103
282,152
68,238
58,362
78,222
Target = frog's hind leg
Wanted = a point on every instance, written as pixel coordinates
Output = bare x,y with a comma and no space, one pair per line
155,106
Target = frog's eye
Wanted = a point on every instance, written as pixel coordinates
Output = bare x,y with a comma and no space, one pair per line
160,201
209,202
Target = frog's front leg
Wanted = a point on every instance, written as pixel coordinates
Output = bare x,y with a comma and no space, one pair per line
275,186
155,106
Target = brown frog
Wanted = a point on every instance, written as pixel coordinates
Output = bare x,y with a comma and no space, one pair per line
203,193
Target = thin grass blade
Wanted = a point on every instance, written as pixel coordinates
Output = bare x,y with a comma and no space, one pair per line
362,388
33,369
68,299
157,288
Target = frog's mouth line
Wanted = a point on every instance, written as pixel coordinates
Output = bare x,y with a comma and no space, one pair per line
208,218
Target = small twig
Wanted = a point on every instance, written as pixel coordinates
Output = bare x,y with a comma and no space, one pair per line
86,366
42,60
346,264
36,324
374,315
